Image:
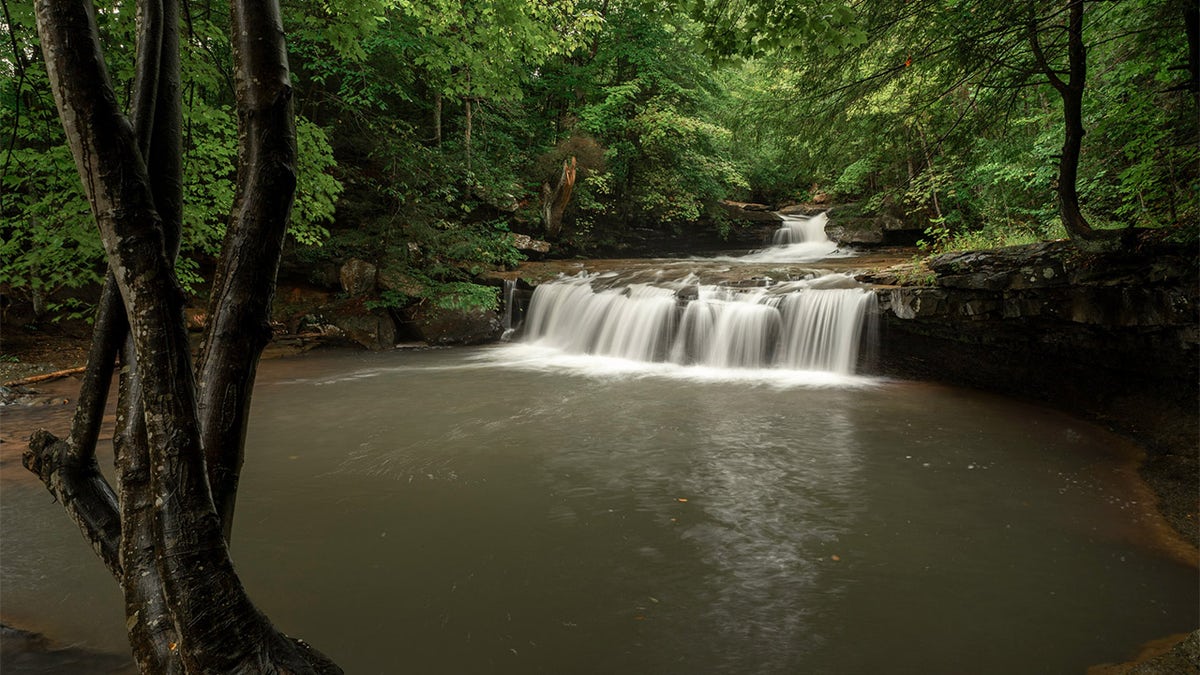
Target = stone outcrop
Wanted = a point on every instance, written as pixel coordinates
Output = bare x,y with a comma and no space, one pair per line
348,320
805,210
1110,337
754,213
439,326
532,249
878,230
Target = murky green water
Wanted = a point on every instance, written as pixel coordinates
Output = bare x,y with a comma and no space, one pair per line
487,511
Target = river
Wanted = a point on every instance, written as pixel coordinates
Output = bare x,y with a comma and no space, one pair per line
510,510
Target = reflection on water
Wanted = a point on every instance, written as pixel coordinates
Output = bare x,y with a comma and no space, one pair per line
454,511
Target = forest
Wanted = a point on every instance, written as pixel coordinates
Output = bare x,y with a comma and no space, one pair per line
160,157
428,132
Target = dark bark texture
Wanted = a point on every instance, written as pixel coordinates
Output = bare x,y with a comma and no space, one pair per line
1071,91
244,285
160,532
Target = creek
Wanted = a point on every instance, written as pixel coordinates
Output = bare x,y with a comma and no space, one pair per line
559,507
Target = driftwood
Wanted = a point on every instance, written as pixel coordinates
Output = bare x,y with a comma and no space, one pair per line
45,377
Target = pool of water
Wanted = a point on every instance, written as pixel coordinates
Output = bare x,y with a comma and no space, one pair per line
495,510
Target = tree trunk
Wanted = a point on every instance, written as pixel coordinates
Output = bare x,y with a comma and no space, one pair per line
1071,92
244,286
555,200
437,119
186,608
467,134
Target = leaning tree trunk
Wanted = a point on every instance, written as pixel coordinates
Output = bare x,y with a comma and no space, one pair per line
163,538
555,200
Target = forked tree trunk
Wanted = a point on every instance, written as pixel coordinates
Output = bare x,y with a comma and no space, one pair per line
160,533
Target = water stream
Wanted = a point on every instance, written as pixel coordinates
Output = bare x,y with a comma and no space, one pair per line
661,478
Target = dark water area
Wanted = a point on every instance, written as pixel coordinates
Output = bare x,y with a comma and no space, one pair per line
495,510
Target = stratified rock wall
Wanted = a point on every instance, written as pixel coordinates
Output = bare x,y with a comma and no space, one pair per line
1112,338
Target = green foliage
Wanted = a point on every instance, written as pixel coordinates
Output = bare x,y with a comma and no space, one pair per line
762,27
942,117
651,106
427,130
48,240
855,177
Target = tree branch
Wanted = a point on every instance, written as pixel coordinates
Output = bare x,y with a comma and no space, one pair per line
244,285
87,498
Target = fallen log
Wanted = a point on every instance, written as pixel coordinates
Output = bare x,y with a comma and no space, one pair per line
34,379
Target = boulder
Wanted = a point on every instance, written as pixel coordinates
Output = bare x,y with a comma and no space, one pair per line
398,281
806,210
439,326
352,320
375,331
883,229
755,213
357,277
533,249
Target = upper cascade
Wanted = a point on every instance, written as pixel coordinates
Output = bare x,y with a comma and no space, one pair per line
810,325
799,229
799,239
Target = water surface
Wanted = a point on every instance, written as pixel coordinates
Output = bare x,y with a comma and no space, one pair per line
495,511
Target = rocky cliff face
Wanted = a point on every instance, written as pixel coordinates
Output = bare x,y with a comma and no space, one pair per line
1113,338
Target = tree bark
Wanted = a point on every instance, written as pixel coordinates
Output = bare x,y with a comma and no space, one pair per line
437,119
169,515
555,199
238,327
1071,92
157,121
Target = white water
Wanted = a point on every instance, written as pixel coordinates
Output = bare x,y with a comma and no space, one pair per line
799,239
815,325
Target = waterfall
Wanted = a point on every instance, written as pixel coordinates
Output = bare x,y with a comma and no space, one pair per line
798,239
799,230
815,325
510,294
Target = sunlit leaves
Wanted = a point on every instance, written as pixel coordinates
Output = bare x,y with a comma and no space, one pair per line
757,28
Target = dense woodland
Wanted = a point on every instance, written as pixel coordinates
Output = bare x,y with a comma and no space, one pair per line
168,139
427,131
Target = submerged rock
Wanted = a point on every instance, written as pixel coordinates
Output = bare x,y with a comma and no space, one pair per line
22,651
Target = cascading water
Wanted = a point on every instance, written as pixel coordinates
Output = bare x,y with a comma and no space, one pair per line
810,325
797,230
798,239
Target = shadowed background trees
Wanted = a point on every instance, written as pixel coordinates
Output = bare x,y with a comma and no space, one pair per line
426,132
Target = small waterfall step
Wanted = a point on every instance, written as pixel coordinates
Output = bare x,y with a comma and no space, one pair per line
819,324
